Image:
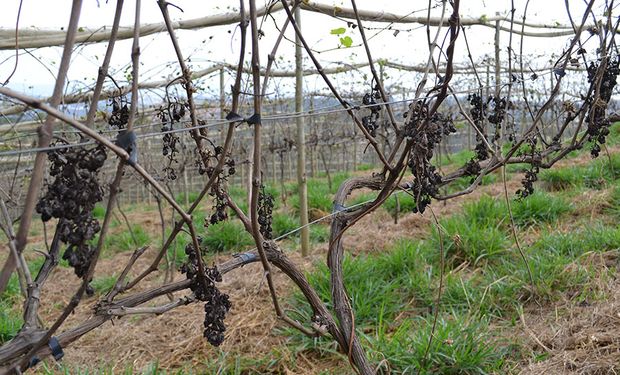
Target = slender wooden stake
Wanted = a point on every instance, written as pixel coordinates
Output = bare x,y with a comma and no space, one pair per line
222,103
497,61
301,144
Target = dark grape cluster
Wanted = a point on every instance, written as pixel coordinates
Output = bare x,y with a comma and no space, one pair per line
229,164
169,115
265,212
120,112
472,167
370,122
220,213
217,304
598,124
497,113
426,178
71,198
478,114
419,112
531,175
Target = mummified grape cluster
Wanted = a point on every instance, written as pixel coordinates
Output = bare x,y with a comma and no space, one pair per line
478,114
265,212
217,304
425,135
169,115
493,110
220,213
120,113
370,122
229,164
497,114
598,124
71,198
531,175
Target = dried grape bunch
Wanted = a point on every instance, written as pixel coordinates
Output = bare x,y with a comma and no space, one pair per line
265,212
370,122
217,304
425,135
531,175
598,124
120,112
497,113
478,114
71,198
419,112
472,168
169,115
220,213
229,163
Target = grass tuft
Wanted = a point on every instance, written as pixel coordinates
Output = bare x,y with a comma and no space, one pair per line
227,236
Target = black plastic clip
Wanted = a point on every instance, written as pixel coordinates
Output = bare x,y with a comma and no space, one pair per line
127,141
232,116
254,119
56,349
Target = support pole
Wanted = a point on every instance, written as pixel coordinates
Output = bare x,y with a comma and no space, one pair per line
301,144
222,105
497,61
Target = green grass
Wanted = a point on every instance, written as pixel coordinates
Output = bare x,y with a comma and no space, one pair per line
558,179
404,282
319,197
597,238
394,293
103,284
460,345
176,251
597,174
365,167
613,207
614,134
319,233
99,211
227,236
362,198
10,321
10,318
517,167
458,158
124,241
466,240
463,183
406,204
283,223
539,208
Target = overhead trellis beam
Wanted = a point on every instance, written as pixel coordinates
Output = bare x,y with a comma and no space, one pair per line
85,96
35,38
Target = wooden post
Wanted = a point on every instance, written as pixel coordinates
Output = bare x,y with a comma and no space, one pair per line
497,60
301,144
185,187
222,105
313,154
274,176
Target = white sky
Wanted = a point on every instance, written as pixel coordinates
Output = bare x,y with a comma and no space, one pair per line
215,44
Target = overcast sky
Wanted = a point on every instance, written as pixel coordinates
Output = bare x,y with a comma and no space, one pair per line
204,47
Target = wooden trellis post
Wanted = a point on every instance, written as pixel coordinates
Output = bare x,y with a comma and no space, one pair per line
301,144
